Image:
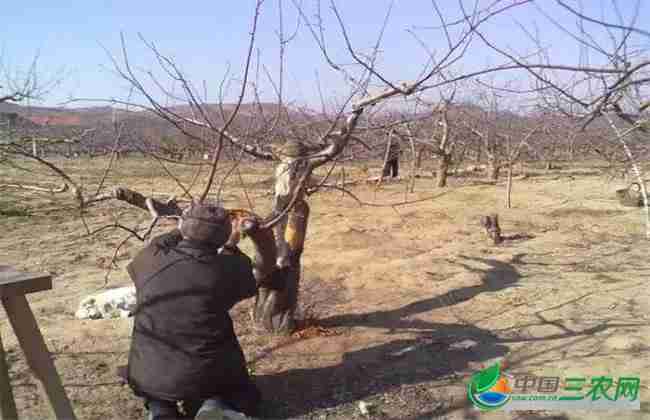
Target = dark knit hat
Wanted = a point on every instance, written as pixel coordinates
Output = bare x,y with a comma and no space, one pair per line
207,223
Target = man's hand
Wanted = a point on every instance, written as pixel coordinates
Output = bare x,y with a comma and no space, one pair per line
229,249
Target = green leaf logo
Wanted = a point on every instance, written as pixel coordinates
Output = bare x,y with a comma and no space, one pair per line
486,378
478,389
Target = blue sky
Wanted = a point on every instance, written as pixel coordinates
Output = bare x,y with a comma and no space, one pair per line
204,36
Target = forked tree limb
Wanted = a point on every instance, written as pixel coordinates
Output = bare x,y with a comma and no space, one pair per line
244,224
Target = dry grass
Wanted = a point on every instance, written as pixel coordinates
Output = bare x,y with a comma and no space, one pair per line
568,296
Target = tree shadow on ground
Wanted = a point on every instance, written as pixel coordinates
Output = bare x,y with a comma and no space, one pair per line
374,371
371,372
499,276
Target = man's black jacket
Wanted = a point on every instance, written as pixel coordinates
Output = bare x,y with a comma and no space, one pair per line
184,346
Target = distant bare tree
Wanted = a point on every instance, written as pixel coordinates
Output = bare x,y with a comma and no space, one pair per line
20,86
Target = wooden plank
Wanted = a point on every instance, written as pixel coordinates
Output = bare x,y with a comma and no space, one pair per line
38,357
7,403
16,283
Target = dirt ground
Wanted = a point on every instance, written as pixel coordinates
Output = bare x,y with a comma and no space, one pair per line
565,294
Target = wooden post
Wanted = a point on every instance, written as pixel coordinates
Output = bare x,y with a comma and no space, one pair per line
38,357
384,166
509,187
7,404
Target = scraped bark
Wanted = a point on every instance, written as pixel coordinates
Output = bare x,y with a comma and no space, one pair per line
277,297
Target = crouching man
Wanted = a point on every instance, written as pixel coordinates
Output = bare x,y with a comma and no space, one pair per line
184,351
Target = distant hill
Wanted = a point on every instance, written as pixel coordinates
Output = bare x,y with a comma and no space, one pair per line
142,127
91,116
78,117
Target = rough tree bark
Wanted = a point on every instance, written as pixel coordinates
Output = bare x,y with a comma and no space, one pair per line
443,170
277,296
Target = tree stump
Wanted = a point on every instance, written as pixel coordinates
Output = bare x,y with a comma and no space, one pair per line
630,196
492,228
